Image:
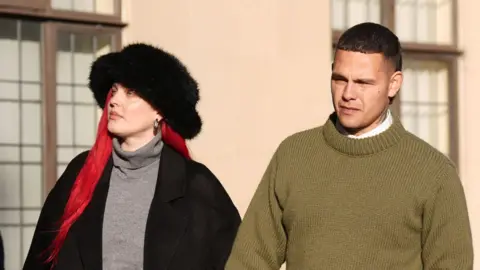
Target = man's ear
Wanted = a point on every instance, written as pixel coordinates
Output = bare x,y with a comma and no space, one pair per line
396,81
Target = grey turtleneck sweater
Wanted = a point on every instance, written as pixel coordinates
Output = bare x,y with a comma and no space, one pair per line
132,186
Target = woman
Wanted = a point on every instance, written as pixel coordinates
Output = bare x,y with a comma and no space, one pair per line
136,200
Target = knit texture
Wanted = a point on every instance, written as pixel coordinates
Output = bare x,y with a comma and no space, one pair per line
327,201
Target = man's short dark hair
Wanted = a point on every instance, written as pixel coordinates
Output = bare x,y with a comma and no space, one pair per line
372,38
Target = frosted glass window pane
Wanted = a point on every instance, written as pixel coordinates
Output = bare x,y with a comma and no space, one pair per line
346,13
11,243
104,6
31,154
84,125
9,90
9,217
104,45
80,150
12,133
27,240
83,5
64,93
82,58
9,154
424,102
9,49
10,185
62,4
31,123
30,51
64,124
60,170
65,154
32,186
64,58
31,92
84,95
424,21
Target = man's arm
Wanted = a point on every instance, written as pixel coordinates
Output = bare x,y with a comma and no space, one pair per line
261,240
446,237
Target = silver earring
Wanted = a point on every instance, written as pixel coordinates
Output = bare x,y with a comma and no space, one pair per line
155,124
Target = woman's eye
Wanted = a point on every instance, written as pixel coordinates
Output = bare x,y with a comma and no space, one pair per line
130,92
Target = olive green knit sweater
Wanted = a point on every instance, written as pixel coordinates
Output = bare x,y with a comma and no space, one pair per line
327,201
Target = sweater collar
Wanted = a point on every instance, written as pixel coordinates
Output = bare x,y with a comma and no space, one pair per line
139,158
362,146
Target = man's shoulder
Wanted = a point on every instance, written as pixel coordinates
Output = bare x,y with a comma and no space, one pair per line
428,153
302,140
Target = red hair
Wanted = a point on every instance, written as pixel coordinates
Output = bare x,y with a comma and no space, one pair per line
88,177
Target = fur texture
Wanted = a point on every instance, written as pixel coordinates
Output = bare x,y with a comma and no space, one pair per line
158,77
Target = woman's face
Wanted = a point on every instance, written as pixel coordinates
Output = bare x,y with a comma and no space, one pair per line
130,116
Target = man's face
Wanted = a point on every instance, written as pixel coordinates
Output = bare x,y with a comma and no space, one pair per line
361,87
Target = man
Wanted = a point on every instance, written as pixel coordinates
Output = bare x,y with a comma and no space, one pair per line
359,192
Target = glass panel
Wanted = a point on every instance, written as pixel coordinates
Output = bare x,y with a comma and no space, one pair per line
31,123
21,141
105,6
424,21
77,116
9,217
64,124
62,4
12,246
27,234
84,95
32,188
31,91
9,154
83,5
9,90
92,6
346,13
30,51
424,102
11,129
10,186
31,154
9,50
84,124
83,57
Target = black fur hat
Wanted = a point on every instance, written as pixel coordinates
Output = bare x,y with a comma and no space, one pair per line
158,77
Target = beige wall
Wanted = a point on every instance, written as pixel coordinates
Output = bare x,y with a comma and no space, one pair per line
469,99
246,53
263,69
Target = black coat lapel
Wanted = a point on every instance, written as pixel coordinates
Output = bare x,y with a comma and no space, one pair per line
90,223
168,216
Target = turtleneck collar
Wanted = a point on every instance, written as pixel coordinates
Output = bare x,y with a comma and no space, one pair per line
140,158
362,146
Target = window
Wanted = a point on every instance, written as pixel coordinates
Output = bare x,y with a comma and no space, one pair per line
21,188
46,55
427,30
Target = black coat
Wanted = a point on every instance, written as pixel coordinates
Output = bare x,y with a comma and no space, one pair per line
192,221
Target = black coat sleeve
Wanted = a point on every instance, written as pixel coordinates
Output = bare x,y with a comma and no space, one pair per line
226,219
50,215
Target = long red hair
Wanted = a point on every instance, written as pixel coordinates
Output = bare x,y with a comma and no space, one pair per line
88,177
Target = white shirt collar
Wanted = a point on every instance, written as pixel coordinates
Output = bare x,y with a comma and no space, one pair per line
379,129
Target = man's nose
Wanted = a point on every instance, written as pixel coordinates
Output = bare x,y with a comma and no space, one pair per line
349,92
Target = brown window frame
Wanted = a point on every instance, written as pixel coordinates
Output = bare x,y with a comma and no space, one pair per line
447,54
52,21
50,94
42,9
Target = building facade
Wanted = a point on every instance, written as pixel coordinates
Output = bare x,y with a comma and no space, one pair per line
263,68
